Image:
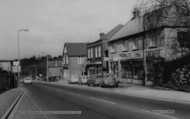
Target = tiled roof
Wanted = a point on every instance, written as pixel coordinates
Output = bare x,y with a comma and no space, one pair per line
134,26
111,33
76,49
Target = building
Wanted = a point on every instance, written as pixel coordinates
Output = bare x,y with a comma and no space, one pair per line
74,60
147,40
7,74
98,54
55,70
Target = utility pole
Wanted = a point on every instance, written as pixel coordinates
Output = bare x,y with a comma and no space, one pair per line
47,75
18,52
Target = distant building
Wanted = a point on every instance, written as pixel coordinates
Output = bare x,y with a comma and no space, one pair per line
156,35
55,70
8,77
6,65
74,60
98,54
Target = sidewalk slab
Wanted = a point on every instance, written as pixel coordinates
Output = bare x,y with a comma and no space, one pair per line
7,98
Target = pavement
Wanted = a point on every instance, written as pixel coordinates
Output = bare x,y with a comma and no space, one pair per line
7,98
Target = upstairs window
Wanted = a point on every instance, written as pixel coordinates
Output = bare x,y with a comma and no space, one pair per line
152,43
106,53
79,60
99,51
132,46
96,52
89,54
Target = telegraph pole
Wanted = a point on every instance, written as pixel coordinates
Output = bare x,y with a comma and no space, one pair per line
18,52
47,75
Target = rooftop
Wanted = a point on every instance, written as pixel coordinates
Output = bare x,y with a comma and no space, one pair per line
76,49
132,27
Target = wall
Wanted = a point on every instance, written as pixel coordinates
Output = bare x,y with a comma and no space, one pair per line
172,46
74,68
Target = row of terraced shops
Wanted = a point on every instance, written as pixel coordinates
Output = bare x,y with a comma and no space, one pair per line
148,43
142,45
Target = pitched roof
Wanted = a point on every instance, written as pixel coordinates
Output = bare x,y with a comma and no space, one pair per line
76,49
132,27
112,32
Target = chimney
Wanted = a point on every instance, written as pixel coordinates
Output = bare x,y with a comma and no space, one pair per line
136,13
102,35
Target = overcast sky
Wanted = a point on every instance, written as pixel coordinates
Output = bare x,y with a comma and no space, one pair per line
52,22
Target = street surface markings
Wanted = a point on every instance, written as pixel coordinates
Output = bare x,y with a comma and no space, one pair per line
52,112
156,112
27,103
11,116
102,100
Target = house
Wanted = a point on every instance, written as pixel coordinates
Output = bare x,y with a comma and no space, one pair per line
150,38
74,60
98,54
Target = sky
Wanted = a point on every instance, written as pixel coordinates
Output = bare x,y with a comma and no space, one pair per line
53,22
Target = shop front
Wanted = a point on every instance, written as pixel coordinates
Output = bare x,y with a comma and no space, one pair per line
129,67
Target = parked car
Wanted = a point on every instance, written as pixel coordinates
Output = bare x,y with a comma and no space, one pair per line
94,80
109,81
91,81
83,79
28,80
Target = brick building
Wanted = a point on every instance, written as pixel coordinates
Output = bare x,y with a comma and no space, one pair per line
157,35
98,54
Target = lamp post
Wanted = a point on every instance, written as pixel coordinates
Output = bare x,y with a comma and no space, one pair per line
18,50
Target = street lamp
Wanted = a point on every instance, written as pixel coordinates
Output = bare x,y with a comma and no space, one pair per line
18,49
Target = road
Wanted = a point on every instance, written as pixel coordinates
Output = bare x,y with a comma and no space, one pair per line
46,102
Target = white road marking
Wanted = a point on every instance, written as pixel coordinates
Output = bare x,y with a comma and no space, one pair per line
102,100
38,108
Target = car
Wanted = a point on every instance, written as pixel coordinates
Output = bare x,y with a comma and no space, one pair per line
83,79
109,81
94,80
28,81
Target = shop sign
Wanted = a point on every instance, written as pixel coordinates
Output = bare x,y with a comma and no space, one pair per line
153,53
131,55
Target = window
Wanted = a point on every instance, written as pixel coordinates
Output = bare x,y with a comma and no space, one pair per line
132,46
96,52
99,51
151,43
79,60
66,60
89,54
126,45
106,53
